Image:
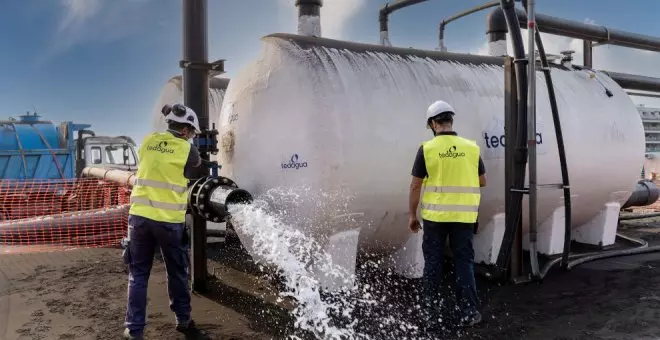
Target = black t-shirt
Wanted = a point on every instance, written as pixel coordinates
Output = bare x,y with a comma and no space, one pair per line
419,167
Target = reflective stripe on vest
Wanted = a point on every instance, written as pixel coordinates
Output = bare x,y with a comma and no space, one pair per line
160,191
159,205
451,190
160,185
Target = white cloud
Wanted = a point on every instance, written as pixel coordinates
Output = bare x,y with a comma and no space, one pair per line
335,14
605,57
76,12
95,20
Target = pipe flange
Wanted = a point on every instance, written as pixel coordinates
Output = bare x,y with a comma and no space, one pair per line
201,193
193,194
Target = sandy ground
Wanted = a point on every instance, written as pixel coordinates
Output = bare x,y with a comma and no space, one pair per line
80,294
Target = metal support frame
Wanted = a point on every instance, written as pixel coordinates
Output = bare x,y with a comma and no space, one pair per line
531,137
587,54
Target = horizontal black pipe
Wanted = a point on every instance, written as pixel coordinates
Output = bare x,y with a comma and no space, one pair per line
645,193
579,30
635,82
642,94
308,42
383,14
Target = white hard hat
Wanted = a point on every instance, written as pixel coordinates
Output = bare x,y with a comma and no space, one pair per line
182,114
437,108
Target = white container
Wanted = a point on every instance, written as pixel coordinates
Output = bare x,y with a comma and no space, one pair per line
337,120
172,93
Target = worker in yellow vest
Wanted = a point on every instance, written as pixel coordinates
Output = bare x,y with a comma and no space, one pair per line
157,215
451,172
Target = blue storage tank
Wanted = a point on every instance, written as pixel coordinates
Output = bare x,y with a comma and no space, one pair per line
34,149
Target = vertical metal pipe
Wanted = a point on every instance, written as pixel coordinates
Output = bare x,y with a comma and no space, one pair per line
510,133
309,17
195,93
531,136
587,54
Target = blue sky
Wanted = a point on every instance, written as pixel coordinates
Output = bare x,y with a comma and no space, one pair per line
104,62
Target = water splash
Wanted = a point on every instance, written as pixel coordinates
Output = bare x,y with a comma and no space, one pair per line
296,255
362,310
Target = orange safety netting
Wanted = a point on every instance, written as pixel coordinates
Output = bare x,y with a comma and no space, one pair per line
77,212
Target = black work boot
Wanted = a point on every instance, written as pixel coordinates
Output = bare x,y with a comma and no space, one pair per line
132,336
186,327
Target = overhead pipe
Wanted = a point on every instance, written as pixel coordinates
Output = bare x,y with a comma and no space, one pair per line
573,29
592,33
309,17
384,13
642,94
531,140
635,82
514,210
496,30
445,22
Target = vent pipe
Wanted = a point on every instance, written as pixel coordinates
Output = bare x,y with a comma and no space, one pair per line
383,17
309,17
496,29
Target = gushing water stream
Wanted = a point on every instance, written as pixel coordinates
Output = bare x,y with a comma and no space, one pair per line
299,256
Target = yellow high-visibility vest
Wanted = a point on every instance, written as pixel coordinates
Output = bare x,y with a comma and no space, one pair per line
451,191
160,192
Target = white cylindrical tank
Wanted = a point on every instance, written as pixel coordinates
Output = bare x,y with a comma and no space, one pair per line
172,93
347,119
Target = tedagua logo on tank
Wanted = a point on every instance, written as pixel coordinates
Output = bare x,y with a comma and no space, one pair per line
294,163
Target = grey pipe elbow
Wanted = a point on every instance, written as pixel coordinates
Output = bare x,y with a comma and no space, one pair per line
646,193
496,26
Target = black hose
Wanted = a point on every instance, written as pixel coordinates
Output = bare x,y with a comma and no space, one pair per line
592,256
642,249
560,144
514,211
